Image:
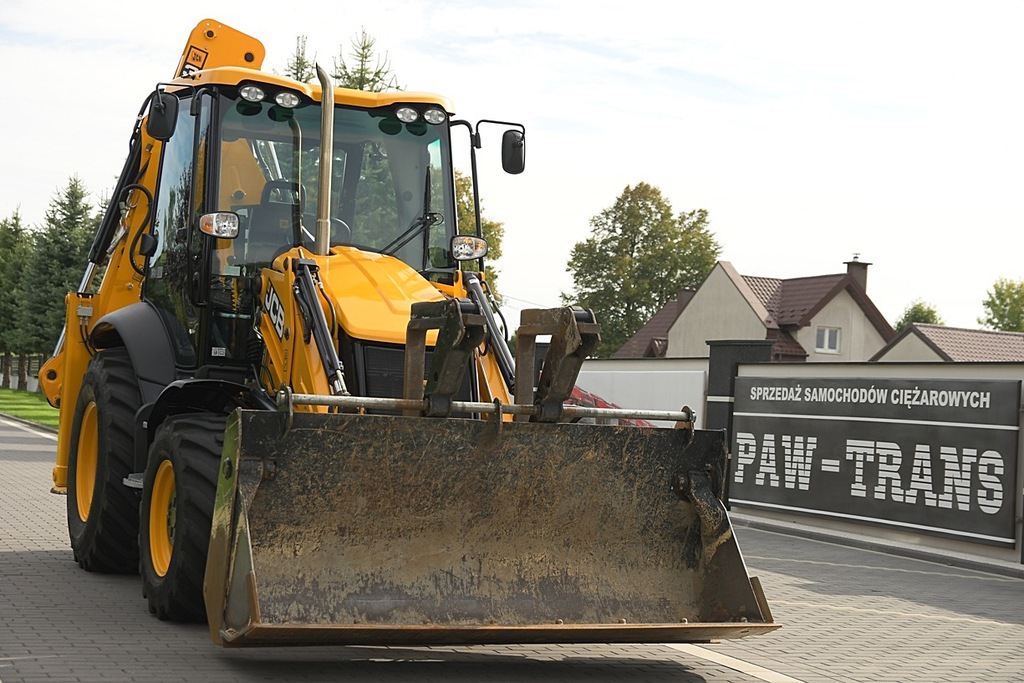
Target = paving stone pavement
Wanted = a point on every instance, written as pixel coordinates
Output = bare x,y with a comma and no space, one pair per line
856,615
848,614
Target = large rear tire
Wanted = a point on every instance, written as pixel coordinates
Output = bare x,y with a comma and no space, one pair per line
177,512
103,513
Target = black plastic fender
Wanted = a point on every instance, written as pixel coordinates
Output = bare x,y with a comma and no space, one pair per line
140,329
192,396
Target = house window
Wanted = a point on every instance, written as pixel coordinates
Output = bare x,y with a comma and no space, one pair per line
827,340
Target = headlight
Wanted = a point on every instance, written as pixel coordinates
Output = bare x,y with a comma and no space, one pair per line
434,116
288,100
407,114
221,224
252,93
468,247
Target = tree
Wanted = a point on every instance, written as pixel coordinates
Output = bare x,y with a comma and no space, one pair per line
14,240
53,267
299,66
638,257
1004,306
360,76
918,312
368,71
493,231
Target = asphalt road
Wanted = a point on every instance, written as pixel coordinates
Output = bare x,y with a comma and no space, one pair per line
847,614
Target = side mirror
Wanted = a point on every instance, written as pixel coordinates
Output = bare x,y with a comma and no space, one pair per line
163,116
513,151
147,244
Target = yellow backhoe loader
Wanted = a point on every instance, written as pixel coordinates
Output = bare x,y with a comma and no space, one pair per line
287,399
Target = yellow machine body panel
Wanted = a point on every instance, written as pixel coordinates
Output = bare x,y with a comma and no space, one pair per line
234,75
374,293
212,44
286,355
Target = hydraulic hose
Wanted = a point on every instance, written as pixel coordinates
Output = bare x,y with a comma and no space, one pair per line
506,363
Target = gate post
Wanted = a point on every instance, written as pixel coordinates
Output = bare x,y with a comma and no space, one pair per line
725,356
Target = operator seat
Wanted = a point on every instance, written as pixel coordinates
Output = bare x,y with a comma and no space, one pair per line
272,222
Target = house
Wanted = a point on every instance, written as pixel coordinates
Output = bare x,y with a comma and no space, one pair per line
651,340
922,342
818,318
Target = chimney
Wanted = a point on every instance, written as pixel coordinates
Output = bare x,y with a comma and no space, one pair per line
858,270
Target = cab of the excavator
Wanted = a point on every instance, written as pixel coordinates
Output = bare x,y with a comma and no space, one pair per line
252,151
391,177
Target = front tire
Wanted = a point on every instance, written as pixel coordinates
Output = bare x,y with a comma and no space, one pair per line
177,512
102,512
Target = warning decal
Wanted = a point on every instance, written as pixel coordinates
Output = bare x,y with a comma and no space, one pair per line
195,59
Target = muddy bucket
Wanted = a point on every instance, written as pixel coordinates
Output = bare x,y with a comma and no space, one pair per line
390,530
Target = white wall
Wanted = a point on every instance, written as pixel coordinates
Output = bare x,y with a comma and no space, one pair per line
858,339
910,349
648,383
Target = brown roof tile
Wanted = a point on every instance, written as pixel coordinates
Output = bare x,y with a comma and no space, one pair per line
652,338
801,295
965,346
786,348
766,289
792,302
789,301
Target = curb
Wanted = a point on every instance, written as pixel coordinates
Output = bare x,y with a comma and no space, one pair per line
28,423
952,559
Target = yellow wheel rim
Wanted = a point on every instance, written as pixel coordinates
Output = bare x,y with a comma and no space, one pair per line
86,461
161,518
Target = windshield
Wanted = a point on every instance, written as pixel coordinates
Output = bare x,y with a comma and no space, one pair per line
390,180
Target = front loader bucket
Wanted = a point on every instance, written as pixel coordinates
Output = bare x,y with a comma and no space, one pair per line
380,530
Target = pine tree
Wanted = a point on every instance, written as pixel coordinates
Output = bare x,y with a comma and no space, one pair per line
53,267
299,66
14,241
368,71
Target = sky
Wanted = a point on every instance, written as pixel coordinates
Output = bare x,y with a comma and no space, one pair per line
809,131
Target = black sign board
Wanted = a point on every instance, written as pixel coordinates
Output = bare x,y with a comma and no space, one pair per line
931,456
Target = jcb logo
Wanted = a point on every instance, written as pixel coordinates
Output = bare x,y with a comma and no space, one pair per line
274,308
195,60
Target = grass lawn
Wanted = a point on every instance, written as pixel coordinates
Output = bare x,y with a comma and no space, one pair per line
30,406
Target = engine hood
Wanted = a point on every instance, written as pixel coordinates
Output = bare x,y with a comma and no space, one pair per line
373,293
